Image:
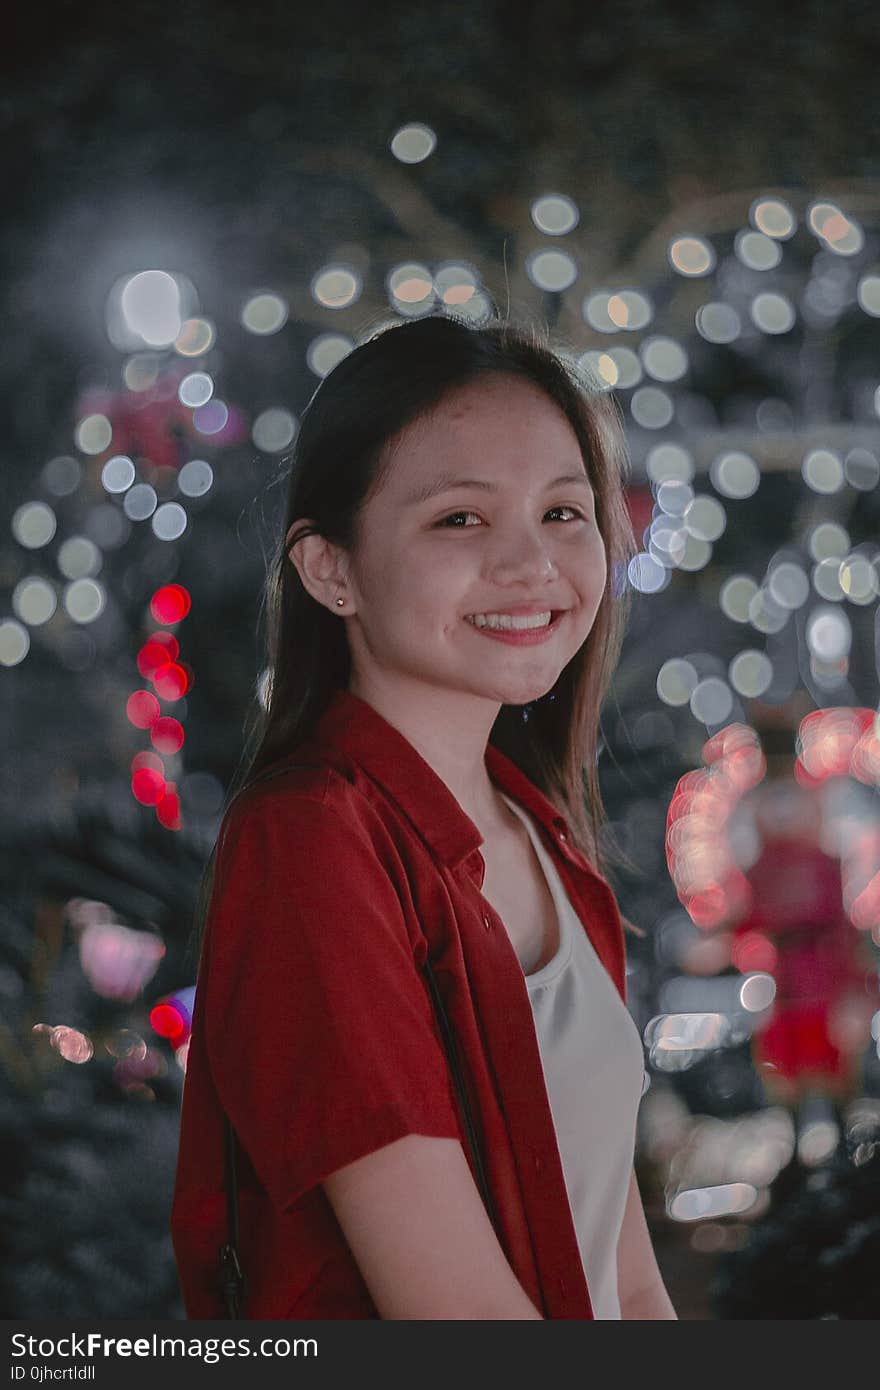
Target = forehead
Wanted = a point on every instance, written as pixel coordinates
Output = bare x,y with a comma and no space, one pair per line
504,423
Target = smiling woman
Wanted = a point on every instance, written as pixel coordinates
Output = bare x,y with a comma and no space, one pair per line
406,892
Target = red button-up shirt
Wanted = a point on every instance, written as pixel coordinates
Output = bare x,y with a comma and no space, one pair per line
314,1029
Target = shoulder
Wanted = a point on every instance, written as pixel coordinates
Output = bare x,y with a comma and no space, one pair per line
303,789
308,815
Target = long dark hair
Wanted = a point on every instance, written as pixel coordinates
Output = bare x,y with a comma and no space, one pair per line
339,460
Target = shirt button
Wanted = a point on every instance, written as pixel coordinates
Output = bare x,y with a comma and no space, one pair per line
486,923
562,835
537,1164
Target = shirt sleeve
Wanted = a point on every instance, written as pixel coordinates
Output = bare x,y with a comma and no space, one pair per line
320,1031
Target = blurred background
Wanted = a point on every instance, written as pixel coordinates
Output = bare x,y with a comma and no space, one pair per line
206,208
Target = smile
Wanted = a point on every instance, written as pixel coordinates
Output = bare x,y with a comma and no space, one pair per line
520,631
508,621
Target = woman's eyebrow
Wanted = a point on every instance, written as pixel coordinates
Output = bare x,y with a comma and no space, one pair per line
446,483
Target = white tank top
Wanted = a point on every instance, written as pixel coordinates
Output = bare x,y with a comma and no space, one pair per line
593,1061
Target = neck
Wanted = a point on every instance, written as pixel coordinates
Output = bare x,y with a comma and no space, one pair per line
450,730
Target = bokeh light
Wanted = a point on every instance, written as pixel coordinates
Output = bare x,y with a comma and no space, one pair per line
750,673
705,518
34,600
651,407
669,463
757,251
718,323
196,337
142,709
551,270
169,521
151,307
735,474
326,351
265,314
711,701
691,256
93,434
676,681
336,286
413,142
148,786
862,469
554,214
772,313
14,642
62,475
828,633
170,604
140,502
822,470
166,735
736,597
773,217
33,525
646,574
85,600
274,429
788,585
118,474
195,478
665,359
212,417
195,389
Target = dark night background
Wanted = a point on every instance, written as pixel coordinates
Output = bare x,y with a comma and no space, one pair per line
246,151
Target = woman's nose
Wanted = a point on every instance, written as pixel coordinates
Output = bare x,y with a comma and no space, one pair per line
522,552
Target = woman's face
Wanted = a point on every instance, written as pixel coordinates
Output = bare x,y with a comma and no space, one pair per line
504,533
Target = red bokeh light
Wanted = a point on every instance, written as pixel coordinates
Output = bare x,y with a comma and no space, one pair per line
167,1021
148,759
142,709
170,681
167,734
148,786
754,951
168,809
157,651
170,603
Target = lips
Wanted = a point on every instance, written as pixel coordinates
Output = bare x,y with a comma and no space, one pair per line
519,610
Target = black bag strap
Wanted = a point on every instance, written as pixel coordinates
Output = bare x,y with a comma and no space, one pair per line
233,1281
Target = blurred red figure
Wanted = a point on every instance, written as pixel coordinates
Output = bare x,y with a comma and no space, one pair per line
797,929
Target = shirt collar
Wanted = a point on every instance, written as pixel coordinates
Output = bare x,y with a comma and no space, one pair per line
358,731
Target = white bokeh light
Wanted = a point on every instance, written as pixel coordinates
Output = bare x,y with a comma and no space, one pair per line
15,642
195,478
413,142
151,307
274,429
169,521
735,474
33,525
118,474
265,313
84,600
554,214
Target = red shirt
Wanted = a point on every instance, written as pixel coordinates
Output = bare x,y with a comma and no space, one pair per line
314,1028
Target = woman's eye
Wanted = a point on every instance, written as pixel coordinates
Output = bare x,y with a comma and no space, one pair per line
454,515
563,508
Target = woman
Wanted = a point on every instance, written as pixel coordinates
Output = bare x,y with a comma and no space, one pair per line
444,622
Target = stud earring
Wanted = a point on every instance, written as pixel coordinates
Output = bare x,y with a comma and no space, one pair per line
340,602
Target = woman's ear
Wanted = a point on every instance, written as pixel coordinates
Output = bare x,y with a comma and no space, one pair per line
321,565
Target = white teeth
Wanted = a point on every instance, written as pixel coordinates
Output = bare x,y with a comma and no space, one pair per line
506,620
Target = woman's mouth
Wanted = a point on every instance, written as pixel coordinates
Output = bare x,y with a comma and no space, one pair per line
525,630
